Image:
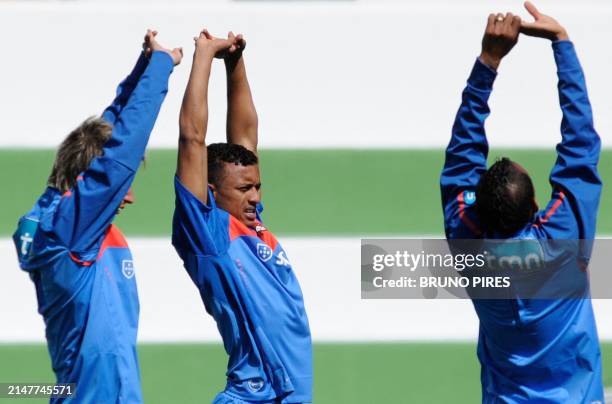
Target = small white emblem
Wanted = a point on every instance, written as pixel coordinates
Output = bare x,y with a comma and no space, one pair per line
469,197
127,267
25,240
255,384
264,252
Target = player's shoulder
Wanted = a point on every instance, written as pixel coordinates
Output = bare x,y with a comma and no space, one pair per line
32,236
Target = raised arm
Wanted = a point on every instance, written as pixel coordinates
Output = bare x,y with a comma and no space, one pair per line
85,212
192,166
576,184
466,154
241,114
126,87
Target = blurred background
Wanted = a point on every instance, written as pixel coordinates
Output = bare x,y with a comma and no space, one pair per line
356,99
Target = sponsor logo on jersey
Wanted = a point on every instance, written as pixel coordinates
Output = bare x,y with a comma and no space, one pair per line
281,259
469,197
127,267
264,252
24,236
514,255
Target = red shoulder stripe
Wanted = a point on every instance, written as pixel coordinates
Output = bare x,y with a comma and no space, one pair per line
113,238
552,210
78,261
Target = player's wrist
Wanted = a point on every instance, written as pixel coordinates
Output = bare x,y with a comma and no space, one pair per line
562,35
205,52
490,60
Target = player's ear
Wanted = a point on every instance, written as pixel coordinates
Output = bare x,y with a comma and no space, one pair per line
214,189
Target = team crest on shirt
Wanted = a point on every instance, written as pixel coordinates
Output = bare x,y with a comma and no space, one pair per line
469,197
127,267
264,252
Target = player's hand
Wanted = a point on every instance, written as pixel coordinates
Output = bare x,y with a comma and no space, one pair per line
238,45
543,26
217,47
150,45
500,37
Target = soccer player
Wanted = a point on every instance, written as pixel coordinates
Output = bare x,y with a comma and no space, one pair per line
79,261
530,350
241,271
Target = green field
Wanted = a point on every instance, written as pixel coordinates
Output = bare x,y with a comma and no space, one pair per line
305,192
344,373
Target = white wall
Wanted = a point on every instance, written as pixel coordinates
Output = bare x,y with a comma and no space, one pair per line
350,74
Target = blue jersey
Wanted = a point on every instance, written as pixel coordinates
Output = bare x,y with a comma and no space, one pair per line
247,284
81,265
533,350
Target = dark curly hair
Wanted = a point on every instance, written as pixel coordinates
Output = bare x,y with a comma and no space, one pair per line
220,153
504,198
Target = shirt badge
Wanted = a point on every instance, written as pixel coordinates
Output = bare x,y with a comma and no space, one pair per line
264,252
127,267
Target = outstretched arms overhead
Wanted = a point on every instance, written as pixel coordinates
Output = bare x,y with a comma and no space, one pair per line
241,114
86,210
126,87
192,165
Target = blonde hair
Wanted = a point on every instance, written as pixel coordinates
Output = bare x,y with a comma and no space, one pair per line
76,152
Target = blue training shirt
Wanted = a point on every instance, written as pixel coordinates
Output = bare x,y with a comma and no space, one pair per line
247,284
533,350
80,263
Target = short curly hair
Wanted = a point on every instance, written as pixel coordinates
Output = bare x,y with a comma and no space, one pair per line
220,153
504,198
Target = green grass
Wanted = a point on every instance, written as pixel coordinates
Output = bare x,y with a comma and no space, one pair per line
305,192
344,373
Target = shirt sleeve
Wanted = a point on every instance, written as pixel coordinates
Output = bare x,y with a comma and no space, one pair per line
466,155
572,210
198,228
85,211
124,90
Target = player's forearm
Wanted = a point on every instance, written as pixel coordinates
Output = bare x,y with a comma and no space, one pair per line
577,125
193,119
125,89
578,152
242,118
466,155
134,125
